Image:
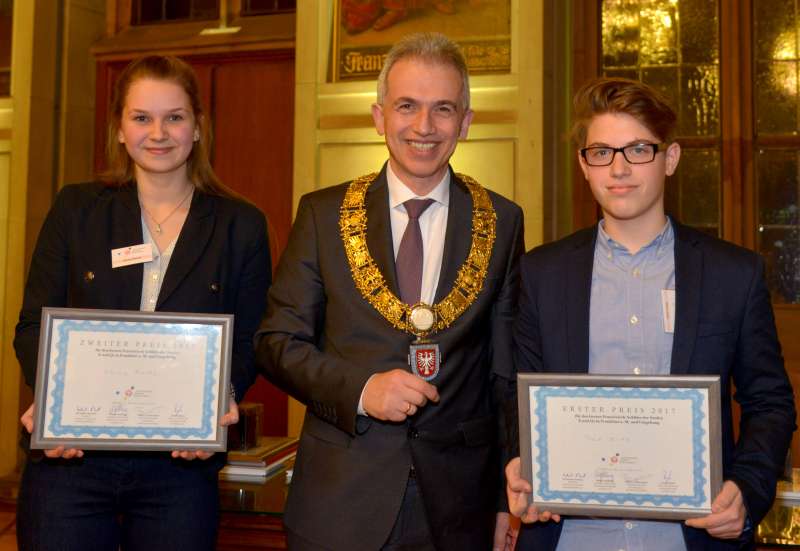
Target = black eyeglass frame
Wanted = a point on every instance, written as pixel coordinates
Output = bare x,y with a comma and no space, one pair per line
655,147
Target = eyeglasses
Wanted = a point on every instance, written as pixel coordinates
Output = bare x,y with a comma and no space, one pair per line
635,154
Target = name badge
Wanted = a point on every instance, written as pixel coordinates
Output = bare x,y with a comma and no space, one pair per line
668,309
135,254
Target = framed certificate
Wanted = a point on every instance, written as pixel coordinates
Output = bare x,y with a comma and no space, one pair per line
621,446
115,379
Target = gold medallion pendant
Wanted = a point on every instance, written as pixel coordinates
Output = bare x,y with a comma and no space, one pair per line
422,318
419,319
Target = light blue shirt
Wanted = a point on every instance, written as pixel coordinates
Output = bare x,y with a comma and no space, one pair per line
627,335
153,272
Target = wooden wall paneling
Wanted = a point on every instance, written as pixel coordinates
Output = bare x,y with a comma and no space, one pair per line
787,318
103,87
118,16
736,113
253,113
587,18
205,82
253,123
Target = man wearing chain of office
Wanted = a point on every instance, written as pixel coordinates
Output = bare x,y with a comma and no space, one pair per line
390,319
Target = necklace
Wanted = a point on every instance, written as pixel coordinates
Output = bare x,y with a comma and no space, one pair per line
419,319
167,217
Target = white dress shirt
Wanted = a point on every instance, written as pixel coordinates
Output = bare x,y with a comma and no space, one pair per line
432,225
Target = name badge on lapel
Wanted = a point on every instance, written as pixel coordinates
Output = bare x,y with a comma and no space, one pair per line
135,254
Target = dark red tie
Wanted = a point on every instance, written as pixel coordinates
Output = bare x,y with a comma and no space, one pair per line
409,255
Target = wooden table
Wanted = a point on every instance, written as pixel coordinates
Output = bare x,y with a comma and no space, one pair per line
252,514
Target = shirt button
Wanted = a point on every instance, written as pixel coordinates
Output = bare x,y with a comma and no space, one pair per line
155,276
634,319
609,256
636,272
637,371
152,300
629,525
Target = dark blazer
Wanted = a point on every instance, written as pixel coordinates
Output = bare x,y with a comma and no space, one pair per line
221,264
321,341
724,326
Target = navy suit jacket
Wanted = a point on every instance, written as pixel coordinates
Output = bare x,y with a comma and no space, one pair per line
724,326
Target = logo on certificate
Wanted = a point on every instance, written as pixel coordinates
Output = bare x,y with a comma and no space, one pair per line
124,394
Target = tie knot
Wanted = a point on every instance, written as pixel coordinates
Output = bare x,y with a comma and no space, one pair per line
415,207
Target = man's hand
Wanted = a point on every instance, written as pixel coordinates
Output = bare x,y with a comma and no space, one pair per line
728,514
505,533
230,418
396,394
55,453
518,491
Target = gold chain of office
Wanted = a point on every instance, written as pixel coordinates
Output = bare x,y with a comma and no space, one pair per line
372,285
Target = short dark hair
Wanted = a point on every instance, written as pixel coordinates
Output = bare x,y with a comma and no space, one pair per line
623,95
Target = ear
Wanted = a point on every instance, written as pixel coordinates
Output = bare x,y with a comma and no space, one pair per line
377,118
465,122
120,136
584,166
197,128
673,155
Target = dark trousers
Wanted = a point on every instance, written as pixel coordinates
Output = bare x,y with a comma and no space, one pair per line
410,532
145,501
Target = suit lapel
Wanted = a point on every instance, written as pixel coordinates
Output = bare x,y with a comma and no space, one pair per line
379,229
457,238
192,241
577,299
125,229
688,278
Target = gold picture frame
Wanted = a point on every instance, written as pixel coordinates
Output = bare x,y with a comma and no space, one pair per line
365,30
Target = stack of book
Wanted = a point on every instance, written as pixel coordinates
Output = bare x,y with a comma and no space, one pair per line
270,456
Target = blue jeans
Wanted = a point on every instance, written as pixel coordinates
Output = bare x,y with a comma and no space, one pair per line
136,501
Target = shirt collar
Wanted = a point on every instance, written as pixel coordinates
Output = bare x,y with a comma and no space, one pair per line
399,193
660,243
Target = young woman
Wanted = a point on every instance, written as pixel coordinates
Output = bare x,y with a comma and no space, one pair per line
210,254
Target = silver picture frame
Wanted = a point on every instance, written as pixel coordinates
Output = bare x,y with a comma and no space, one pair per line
129,380
589,477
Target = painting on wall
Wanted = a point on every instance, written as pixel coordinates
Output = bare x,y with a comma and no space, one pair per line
365,30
